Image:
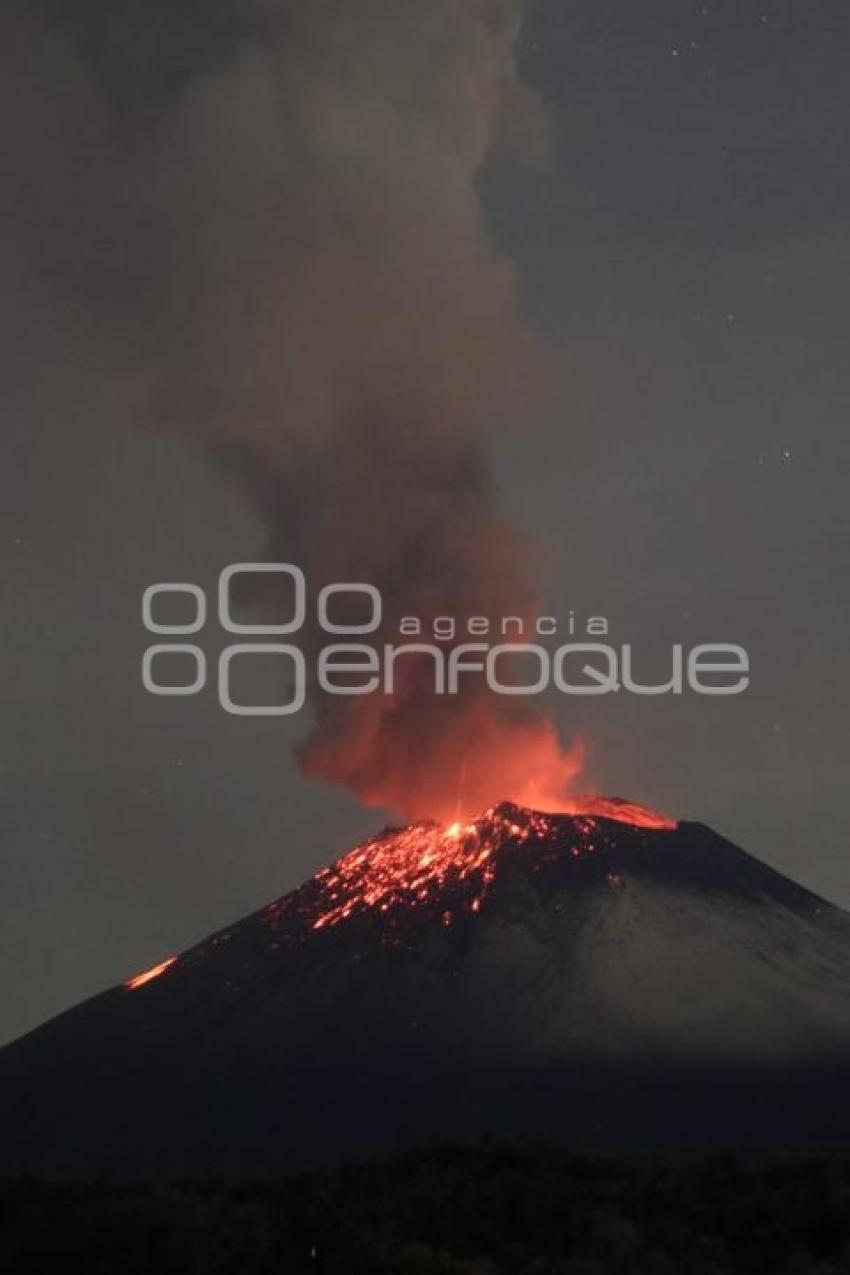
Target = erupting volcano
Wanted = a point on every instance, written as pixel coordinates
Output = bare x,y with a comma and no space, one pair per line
421,863
605,977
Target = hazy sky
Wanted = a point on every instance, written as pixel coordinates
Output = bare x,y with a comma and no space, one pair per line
684,253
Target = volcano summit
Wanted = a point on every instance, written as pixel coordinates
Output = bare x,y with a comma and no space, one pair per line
606,978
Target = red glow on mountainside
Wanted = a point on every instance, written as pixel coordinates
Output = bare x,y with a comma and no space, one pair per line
620,811
417,864
147,976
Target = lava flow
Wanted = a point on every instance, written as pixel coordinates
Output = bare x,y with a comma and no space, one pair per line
619,811
147,976
422,862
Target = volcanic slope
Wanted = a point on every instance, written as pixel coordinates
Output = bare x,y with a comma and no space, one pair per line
607,979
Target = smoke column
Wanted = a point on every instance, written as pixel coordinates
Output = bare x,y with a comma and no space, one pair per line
267,213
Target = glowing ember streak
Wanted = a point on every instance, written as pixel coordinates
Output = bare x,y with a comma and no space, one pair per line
411,865
417,864
147,976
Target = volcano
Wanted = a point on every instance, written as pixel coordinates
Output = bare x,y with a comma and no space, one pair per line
606,978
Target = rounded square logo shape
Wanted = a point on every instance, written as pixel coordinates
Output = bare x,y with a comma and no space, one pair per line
262,710
191,590
262,568
156,688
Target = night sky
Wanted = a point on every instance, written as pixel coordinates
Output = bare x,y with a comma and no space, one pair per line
682,250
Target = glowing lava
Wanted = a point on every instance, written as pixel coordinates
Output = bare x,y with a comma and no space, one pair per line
147,976
423,862
620,811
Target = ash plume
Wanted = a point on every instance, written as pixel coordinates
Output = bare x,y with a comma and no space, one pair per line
265,215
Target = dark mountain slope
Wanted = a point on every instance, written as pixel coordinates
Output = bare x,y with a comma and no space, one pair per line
614,986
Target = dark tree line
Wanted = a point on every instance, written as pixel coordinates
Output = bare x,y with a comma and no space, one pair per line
481,1210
